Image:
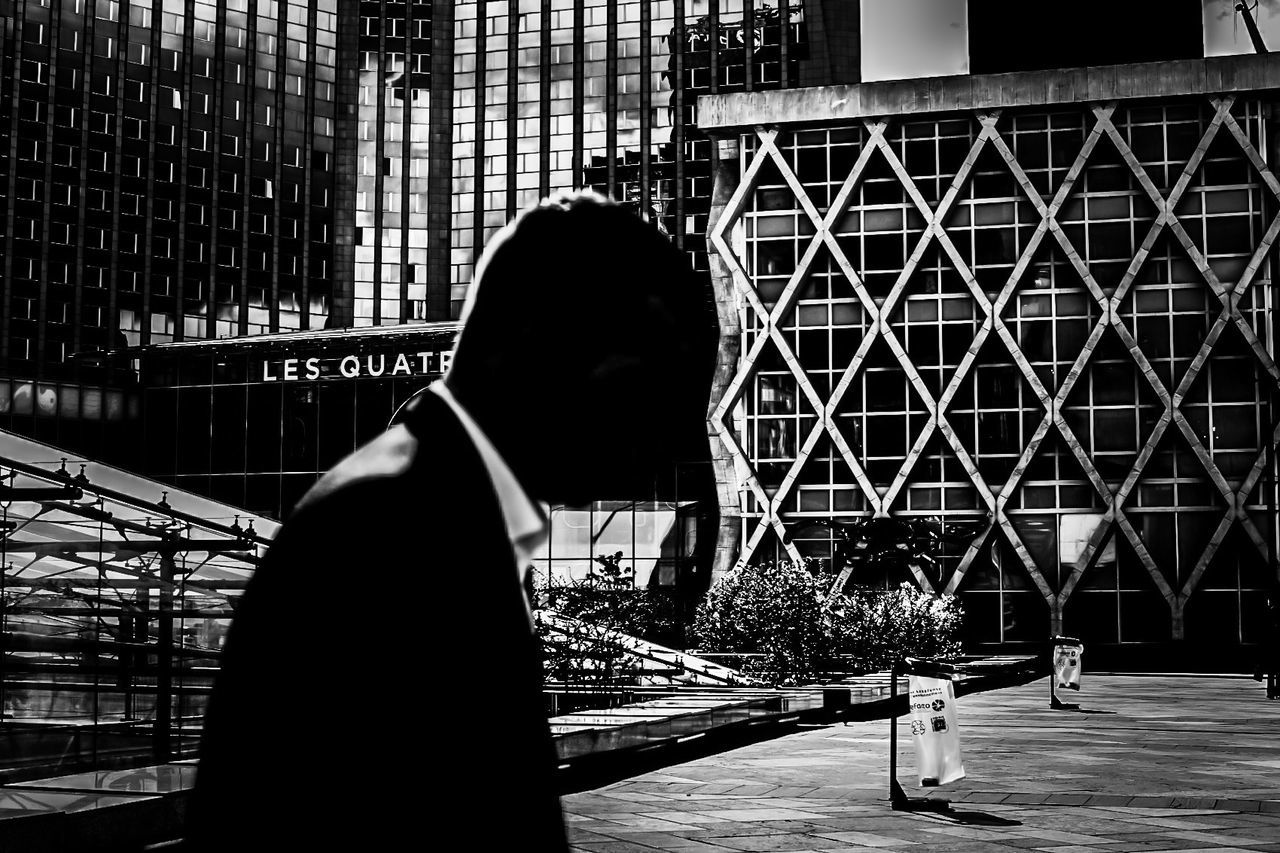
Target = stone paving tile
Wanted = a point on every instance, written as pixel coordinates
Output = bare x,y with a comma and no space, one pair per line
732,828
1189,848
1170,822
1214,838
1204,774
782,843
868,839
762,814
583,836
689,845
1039,832
660,840
613,847
628,825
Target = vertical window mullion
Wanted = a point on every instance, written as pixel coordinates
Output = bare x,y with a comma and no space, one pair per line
380,153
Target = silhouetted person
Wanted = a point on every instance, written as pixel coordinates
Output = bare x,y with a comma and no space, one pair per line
380,685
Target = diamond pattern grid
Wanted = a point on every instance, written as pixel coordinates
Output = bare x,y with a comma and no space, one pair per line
990,315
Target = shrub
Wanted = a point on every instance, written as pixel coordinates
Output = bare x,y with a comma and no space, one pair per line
773,610
606,600
875,627
775,613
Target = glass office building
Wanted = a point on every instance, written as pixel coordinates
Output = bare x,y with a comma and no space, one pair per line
560,94
166,173
400,144
1041,315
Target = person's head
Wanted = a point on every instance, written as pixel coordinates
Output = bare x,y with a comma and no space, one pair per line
586,351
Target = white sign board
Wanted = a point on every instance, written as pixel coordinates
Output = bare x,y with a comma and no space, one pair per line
934,730
1066,665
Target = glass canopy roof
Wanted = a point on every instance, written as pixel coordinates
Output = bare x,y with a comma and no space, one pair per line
115,596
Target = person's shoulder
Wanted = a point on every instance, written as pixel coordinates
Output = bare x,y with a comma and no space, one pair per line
425,446
385,459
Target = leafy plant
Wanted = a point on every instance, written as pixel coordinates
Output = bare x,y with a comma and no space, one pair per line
782,619
875,627
605,601
773,610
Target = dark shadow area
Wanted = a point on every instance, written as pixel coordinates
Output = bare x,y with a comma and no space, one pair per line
1058,705
978,819
942,810
1088,32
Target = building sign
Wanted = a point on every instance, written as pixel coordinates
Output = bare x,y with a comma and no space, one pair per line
372,366
732,33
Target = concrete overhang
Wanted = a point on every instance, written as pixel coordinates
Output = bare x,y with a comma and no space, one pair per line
824,105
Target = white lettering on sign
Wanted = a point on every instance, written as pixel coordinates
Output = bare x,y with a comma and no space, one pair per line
293,369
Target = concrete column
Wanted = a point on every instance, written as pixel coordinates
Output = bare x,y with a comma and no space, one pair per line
725,177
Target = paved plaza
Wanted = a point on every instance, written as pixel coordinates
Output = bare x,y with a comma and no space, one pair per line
1148,763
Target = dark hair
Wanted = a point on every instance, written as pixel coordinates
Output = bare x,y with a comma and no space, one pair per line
577,278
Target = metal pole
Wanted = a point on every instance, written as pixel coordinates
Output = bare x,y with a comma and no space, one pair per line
896,795
1053,677
164,660
4,602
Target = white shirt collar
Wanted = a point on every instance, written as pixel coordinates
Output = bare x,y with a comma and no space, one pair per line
527,522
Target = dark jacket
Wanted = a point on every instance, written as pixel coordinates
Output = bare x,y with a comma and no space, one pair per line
380,688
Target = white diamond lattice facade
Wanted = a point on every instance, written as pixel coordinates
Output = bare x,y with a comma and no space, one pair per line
1035,307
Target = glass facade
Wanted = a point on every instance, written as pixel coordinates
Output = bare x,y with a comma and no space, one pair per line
1050,327
560,94
393,163
254,423
165,174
